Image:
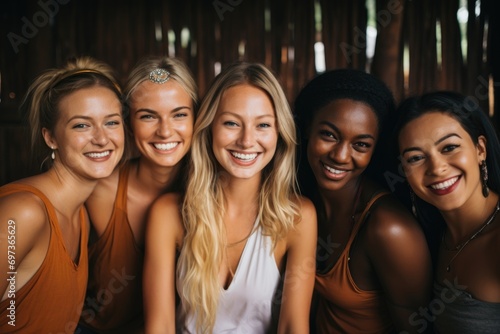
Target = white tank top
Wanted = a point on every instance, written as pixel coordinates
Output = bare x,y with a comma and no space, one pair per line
246,307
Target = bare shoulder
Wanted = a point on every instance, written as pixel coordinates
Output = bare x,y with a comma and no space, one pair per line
24,214
24,208
165,216
307,210
306,226
389,218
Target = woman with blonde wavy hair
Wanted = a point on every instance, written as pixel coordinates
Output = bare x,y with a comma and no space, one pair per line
246,238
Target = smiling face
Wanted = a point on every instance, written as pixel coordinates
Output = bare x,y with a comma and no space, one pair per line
441,161
89,134
244,131
162,120
342,139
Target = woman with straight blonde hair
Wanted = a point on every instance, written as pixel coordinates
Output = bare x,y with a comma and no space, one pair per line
246,238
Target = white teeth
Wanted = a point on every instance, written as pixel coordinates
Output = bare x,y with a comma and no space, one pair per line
242,156
166,147
98,155
334,171
445,184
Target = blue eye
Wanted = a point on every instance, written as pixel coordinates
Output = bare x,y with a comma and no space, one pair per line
230,123
80,126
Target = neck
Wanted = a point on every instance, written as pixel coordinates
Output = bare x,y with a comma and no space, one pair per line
340,202
466,220
59,186
240,193
153,178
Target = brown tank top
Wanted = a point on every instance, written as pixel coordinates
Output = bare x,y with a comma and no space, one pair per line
114,295
51,301
342,306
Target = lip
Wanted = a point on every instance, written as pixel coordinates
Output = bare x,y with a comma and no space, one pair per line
99,156
445,186
243,158
334,173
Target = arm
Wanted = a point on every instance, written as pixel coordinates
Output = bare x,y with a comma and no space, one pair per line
24,238
164,232
299,275
400,257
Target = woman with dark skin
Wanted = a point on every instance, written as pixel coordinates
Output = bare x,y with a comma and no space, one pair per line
373,264
451,156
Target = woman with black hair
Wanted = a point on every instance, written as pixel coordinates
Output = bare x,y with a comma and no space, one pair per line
451,157
373,264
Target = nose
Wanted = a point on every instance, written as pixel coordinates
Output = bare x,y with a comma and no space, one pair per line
100,137
436,165
340,153
246,138
164,129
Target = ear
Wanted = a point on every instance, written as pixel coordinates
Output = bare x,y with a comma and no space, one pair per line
481,148
49,138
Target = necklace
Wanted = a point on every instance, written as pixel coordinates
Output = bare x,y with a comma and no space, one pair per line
462,245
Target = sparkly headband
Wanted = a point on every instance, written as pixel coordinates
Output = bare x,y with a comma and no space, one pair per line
83,71
159,75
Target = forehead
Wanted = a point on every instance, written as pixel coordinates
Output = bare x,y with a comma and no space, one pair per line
91,101
430,127
245,98
347,111
168,90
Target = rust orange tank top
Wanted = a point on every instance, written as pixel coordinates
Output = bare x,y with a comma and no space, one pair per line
114,295
51,301
342,306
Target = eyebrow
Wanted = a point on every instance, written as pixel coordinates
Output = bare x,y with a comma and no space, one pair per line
155,112
361,136
437,142
237,115
90,118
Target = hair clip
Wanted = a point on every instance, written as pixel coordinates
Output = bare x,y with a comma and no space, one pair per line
159,75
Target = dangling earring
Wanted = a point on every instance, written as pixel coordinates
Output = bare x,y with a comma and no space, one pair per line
53,155
484,178
413,208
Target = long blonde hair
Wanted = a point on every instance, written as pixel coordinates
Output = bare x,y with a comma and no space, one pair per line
203,207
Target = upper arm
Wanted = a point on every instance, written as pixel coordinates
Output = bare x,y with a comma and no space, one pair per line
23,220
164,232
400,257
300,272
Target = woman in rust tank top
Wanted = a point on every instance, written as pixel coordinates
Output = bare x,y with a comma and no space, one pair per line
373,263
77,127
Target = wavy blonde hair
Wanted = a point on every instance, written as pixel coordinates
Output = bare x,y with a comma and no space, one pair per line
41,101
203,206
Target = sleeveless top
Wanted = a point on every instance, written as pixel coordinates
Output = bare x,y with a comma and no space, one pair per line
114,294
342,306
51,300
456,311
248,305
